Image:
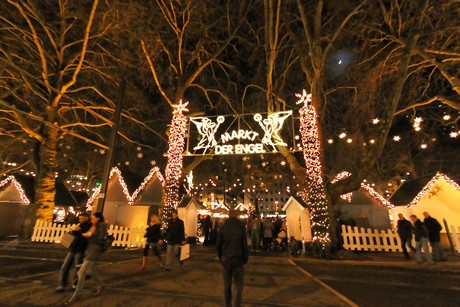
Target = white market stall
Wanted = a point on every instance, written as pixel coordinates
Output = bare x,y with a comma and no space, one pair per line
187,211
298,219
439,195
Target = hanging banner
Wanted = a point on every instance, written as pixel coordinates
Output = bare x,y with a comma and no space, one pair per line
240,134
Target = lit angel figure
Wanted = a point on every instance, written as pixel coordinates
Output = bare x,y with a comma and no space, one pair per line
271,126
207,129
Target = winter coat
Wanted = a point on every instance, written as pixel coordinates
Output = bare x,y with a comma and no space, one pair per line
405,229
94,242
153,233
268,229
175,234
80,243
420,230
232,244
434,229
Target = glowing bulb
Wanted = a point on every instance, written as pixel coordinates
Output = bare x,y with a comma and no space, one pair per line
423,146
330,141
349,141
342,135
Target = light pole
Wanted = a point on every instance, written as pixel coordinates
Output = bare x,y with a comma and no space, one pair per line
112,141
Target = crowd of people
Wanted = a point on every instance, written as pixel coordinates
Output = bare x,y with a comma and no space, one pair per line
426,232
267,234
229,237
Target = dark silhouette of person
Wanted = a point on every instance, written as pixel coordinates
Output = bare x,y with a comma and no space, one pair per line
232,250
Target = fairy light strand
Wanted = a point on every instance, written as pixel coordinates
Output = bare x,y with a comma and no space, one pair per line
429,185
341,176
18,187
173,171
314,194
154,172
123,185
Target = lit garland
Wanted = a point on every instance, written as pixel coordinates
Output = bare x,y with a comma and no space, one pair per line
377,196
114,170
338,177
155,171
173,170
314,195
18,187
429,185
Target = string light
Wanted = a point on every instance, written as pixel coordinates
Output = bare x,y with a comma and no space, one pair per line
123,185
396,138
313,195
337,178
155,171
18,187
429,185
173,171
377,196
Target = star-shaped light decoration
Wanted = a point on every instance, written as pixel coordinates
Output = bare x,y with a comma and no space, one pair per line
396,138
140,155
127,163
375,121
180,107
453,134
102,151
446,117
283,163
153,162
303,98
138,148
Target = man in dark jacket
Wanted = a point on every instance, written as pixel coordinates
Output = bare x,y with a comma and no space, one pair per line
421,240
434,235
76,252
175,236
232,250
405,230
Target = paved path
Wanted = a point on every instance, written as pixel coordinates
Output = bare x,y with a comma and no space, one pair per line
269,281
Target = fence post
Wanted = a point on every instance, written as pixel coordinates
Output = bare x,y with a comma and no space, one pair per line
449,236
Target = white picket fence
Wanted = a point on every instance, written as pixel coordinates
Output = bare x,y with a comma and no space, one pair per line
124,236
381,240
370,240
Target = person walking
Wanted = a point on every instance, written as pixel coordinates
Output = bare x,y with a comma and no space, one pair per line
421,240
232,251
96,234
175,237
434,236
207,225
254,227
267,226
154,241
76,252
405,231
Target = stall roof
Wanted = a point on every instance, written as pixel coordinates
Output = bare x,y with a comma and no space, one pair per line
63,197
411,188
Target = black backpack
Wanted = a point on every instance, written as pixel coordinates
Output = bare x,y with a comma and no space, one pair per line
107,242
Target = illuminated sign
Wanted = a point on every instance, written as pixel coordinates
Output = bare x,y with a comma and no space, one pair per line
240,134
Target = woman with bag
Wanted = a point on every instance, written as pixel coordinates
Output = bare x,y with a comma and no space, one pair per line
96,234
154,240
